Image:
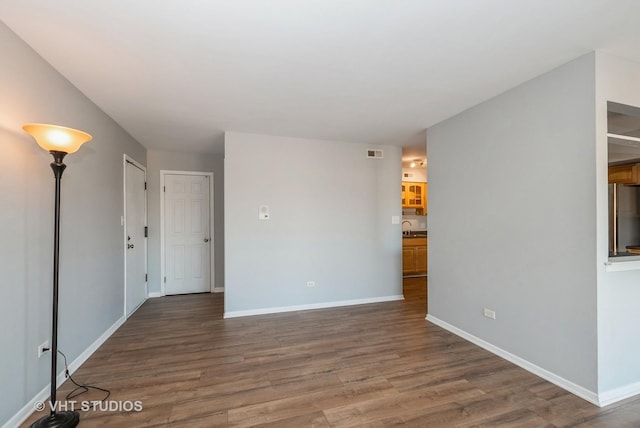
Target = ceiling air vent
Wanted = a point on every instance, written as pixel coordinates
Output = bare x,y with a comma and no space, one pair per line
375,154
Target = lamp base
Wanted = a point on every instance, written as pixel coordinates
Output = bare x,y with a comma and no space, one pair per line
59,419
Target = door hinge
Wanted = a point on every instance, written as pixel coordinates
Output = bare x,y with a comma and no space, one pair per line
165,279
146,231
164,188
145,185
146,277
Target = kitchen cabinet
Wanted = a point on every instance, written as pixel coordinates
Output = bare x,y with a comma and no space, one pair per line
414,256
414,195
421,258
625,174
408,260
426,199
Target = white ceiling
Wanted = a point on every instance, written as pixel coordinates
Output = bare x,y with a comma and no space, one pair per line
176,74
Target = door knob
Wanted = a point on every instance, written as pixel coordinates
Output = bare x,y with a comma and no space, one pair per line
206,239
129,245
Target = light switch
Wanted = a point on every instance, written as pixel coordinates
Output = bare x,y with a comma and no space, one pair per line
263,212
395,219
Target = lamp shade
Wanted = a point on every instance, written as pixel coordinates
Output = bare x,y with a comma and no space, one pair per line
57,138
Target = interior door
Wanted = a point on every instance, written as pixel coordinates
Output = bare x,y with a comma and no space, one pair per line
135,241
187,234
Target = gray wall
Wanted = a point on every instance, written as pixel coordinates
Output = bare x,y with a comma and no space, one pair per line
618,292
331,211
158,160
512,221
92,257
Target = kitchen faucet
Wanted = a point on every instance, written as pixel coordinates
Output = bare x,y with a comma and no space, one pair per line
408,231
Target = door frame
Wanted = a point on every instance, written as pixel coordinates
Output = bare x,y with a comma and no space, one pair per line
128,159
163,174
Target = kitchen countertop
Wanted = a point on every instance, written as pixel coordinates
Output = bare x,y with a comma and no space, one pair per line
414,234
622,254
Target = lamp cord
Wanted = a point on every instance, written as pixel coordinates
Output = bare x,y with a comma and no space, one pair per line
83,388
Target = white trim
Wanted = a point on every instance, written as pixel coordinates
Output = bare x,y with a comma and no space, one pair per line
163,174
619,394
28,408
155,294
621,265
212,236
133,311
137,164
573,388
162,268
275,310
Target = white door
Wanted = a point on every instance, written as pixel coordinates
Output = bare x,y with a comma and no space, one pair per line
187,234
135,241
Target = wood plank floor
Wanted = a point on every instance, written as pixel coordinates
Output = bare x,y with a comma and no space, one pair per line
372,365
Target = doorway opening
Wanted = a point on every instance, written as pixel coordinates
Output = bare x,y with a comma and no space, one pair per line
414,218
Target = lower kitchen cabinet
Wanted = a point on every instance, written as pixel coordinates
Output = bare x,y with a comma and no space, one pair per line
421,259
414,256
408,260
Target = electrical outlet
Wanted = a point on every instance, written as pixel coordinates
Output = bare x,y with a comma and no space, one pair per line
311,283
43,347
489,313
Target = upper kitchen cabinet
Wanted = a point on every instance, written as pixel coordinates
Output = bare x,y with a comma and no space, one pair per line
625,174
414,195
623,132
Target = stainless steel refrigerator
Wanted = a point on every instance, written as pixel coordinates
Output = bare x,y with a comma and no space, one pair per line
624,219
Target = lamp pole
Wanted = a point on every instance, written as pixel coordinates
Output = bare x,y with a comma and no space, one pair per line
67,418
59,141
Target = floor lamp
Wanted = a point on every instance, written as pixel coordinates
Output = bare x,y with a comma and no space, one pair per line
59,141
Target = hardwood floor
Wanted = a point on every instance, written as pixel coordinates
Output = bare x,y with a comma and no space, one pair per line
372,365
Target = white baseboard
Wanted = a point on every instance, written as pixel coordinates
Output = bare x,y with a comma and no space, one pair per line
573,388
619,394
154,294
324,305
28,408
92,348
